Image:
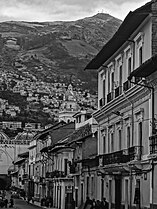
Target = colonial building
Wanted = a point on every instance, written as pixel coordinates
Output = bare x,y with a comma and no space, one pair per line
44,160
127,111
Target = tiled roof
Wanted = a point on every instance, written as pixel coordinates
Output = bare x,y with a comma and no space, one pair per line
80,134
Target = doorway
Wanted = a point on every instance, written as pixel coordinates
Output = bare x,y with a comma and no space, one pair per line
118,191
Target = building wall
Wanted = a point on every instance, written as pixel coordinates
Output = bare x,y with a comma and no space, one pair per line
8,153
141,37
134,105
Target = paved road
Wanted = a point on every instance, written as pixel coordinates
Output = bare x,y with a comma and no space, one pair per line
22,204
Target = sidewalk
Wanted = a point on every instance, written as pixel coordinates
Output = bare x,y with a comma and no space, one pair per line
36,203
39,205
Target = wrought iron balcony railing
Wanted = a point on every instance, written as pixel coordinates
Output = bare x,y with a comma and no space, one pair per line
109,96
102,102
42,180
126,85
55,174
25,176
122,156
73,168
153,144
118,91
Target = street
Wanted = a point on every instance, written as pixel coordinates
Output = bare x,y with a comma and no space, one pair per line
22,204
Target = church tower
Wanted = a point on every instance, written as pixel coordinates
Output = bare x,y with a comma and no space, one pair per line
69,105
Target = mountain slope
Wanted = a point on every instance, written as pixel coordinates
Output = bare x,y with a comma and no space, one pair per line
56,50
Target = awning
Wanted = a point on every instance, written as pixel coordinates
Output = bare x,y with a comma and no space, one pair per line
33,146
19,161
57,148
14,173
146,69
23,155
46,149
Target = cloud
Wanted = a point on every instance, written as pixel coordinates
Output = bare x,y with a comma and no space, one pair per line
51,10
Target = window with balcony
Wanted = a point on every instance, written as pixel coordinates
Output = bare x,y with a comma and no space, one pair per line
120,139
65,166
104,144
92,186
112,82
129,66
153,144
140,52
104,88
140,134
102,188
102,102
109,97
117,91
108,82
120,79
128,137
126,85
112,142
87,189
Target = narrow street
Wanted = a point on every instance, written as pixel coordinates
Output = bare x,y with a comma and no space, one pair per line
22,204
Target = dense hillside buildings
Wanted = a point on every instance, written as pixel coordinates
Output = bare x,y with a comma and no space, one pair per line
127,73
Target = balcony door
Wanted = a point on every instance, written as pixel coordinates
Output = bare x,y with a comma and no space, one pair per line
118,191
140,134
82,196
120,78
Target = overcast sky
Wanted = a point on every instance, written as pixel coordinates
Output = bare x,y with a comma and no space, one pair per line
64,10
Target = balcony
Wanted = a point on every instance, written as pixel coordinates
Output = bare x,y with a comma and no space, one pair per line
73,168
42,181
122,156
126,85
102,102
109,96
25,176
55,174
153,144
118,91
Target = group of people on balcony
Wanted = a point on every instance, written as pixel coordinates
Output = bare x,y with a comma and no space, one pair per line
96,204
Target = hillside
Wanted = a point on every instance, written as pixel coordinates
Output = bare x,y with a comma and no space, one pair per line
36,58
59,48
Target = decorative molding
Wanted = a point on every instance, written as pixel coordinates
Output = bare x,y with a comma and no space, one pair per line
138,111
139,114
128,53
119,125
111,129
127,117
103,132
139,37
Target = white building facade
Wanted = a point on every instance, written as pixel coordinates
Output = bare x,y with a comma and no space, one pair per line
125,115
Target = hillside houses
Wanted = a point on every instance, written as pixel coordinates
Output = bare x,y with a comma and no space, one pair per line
41,96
